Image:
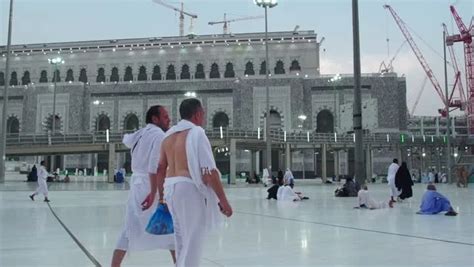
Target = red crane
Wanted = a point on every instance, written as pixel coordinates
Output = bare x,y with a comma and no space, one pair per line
429,72
465,36
462,102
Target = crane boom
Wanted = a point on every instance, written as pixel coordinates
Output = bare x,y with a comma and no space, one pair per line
226,22
418,97
418,54
181,15
458,82
160,2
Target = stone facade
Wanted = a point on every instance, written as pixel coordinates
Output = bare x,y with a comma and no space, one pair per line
300,90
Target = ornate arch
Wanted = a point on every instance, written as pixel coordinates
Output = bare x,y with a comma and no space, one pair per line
280,112
46,122
321,108
10,117
97,117
325,127
214,113
126,115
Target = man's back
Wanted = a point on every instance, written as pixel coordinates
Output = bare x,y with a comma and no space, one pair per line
174,148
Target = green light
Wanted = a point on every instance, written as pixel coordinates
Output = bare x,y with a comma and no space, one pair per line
402,138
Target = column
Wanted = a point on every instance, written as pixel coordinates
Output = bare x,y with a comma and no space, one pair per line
288,156
336,164
437,126
233,160
252,162
368,164
257,162
323,162
111,162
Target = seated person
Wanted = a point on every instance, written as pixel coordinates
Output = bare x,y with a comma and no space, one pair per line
286,193
349,189
366,202
434,203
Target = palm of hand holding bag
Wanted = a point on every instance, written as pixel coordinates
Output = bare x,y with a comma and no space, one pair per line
161,222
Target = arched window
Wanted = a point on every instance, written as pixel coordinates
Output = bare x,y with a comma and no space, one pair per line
49,123
142,74
43,77
170,73
295,65
263,68
13,125
229,70
56,76
325,122
114,75
128,76
13,78
69,75
249,69
280,67
100,75
220,119
83,75
2,78
214,74
156,76
25,80
102,123
131,122
185,75
199,72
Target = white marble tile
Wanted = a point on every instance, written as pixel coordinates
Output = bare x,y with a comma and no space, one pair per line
322,231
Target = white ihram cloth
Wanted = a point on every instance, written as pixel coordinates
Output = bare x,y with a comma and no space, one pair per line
285,193
145,147
288,178
364,198
392,171
193,204
42,185
266,177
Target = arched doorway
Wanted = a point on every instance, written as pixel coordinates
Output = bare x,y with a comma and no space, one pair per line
220,119
57,124
275,120
102,123
131,123
13,125
325,122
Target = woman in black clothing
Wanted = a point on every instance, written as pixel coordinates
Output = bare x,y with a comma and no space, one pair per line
403,182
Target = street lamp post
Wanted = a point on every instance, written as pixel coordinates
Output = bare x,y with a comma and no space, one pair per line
55,62
267,4
3,138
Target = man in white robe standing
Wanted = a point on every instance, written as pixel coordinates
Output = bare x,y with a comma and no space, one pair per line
266,177
392,172
144,147
192,187
42,185
289,178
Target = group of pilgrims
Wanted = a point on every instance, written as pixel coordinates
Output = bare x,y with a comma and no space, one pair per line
176,165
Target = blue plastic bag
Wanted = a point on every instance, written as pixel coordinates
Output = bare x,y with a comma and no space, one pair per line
161,222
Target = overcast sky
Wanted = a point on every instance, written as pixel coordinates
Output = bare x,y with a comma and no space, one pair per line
40,21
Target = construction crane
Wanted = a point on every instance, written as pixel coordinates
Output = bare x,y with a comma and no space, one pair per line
227,22
465,36
462,102
429,72
181,15
386,68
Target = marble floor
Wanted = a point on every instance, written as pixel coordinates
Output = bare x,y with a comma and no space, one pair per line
322,231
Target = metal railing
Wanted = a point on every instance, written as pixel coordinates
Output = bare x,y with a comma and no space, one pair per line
278,136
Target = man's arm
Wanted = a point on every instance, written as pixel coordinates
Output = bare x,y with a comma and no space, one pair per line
156,182
214,181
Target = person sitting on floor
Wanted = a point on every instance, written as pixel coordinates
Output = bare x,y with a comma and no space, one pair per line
286,193
366,202
434,203
349,189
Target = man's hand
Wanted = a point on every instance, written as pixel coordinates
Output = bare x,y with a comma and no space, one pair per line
226,209
148,202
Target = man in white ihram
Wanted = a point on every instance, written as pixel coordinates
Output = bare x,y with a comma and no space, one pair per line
42,185
392,171
144,147
192,187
